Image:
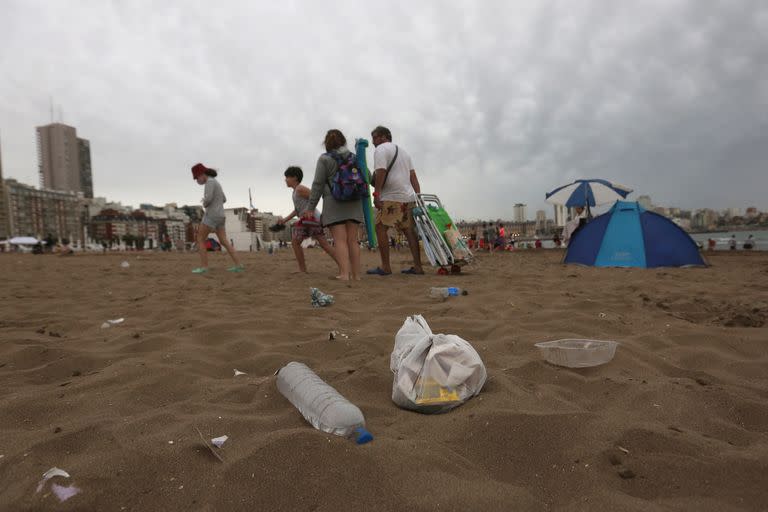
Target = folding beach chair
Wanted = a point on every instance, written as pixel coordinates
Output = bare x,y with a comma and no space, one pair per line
443,244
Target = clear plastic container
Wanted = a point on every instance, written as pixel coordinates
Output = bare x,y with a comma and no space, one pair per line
573,353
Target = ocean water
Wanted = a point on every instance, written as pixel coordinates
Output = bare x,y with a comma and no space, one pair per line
722,238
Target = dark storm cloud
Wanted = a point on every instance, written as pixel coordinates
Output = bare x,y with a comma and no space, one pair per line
497,102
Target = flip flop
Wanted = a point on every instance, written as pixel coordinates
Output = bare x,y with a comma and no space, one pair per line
377,272
412,271
199,270
236,268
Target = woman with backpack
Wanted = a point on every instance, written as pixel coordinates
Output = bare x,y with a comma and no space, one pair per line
342,214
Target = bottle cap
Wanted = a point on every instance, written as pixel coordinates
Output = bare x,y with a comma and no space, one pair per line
363,436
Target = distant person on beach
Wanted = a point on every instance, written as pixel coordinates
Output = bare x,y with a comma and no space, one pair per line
711,243
500,241
487,236
749,243
213,219
556,240
303,229
341,217
732,243
575,223
396,187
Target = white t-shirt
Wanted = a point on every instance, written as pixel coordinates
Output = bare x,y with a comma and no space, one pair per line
398,186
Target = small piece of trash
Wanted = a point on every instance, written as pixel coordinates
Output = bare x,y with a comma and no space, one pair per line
110,323
623,449
218,442
170,442
238,372
320,299
602,315
208,445
54,471
656,405
125,264
64,493
332,335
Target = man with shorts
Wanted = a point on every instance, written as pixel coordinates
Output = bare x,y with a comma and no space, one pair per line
396,188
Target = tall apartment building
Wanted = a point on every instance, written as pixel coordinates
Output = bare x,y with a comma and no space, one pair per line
560,215
64,159
519,213
541,220
5,227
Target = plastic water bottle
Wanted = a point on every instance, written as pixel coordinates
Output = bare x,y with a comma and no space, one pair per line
439,293
321,405
445,292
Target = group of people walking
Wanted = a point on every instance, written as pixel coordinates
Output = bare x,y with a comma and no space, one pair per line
395,183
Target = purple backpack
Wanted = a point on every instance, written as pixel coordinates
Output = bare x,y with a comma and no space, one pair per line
348,184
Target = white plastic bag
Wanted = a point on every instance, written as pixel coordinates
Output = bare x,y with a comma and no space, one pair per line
433,372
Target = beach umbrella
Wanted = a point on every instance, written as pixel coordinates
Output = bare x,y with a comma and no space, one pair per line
23,240
587,193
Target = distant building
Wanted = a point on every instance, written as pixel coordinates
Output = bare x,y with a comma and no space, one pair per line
560,215
241,231
541,220
5,226
86,177
38,212
645,202
64,160
751,212
729,213
519,213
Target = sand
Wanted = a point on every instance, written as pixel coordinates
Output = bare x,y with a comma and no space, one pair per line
677,421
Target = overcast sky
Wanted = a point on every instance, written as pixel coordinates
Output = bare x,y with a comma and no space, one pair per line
496,101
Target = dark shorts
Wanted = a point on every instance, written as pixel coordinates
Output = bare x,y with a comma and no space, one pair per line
338,223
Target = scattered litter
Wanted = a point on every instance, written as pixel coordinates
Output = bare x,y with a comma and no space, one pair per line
125,264
656,405
602,315
170,442
110,323
218,442
64,493
320,299
54,471
433,372
332,335
623,449
238,372
208,445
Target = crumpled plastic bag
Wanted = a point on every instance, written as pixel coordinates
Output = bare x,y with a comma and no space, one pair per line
320,299
434,373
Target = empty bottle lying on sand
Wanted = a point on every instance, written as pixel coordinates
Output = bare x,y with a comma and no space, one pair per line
443,292
320,404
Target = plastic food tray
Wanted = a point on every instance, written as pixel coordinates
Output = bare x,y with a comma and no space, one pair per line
577,353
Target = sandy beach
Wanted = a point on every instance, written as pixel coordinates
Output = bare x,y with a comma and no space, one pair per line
677,421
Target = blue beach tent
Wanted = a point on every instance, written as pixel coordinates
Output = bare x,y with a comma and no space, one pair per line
630,236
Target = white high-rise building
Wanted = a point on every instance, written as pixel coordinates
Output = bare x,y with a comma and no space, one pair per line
541,219
559,215
519,213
